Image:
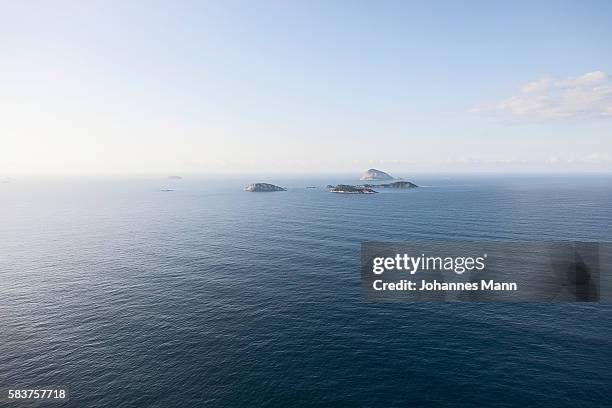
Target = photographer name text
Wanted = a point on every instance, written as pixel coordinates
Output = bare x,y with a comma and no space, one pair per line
413,264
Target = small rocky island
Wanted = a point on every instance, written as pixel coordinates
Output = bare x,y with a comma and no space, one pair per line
395,184
374,174
368,188
348,189
263,188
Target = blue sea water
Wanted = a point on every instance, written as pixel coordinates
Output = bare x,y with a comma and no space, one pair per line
211,296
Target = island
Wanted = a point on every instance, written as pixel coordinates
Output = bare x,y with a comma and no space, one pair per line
175,177
263,188
348,189
374,174
395,184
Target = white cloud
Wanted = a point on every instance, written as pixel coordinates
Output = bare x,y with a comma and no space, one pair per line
586,96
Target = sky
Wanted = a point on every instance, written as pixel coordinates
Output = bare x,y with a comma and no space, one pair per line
178,87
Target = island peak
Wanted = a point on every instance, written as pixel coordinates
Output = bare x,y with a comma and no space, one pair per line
374,174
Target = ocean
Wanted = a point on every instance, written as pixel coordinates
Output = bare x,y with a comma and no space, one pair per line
207,295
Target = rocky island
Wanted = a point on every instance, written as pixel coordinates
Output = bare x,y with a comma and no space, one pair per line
263,188
348,189
395,184
374,174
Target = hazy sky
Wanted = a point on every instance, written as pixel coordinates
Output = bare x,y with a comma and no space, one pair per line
309,86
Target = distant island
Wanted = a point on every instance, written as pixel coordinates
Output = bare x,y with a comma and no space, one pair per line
175,177
395,184
263,188
374,174
348,189
368,188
